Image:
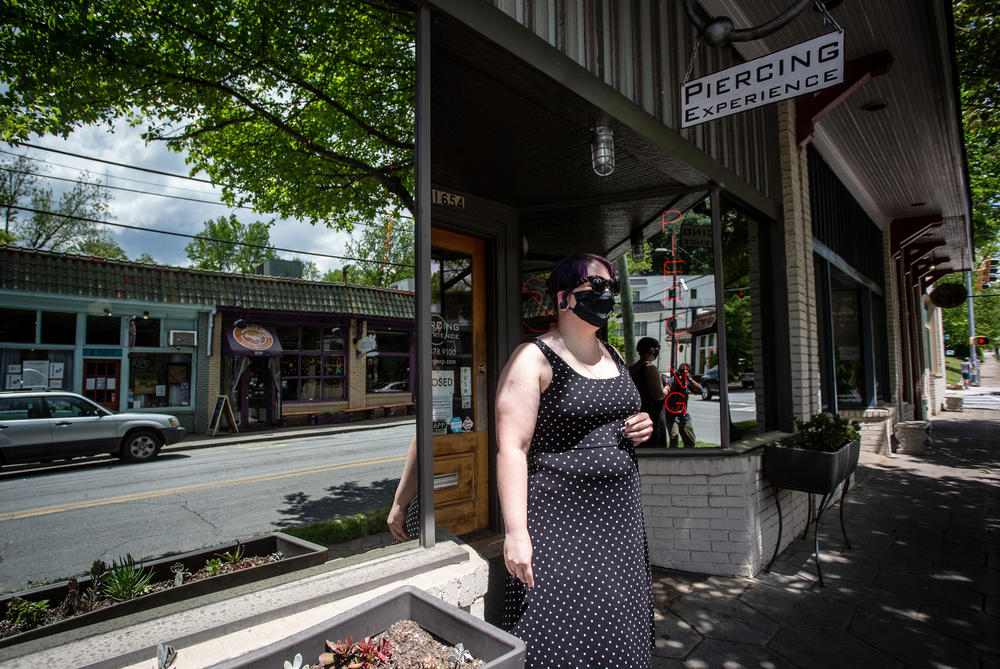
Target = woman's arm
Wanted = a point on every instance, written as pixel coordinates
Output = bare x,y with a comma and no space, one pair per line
654,383
406,490
518,393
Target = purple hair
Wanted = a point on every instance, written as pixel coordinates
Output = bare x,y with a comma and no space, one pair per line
571,269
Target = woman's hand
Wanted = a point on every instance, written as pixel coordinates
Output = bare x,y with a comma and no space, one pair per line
638,428
517,557
397,522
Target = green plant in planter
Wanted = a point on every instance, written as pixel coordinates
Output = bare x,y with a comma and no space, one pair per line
823,432
22,612
126,579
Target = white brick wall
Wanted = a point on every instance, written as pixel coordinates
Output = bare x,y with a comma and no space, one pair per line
715,514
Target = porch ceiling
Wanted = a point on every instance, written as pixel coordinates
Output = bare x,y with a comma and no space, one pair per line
503,131
911,151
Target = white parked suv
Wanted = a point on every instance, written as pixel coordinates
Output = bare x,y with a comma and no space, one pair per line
37,426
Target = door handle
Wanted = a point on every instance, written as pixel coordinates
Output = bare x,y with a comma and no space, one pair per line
64,422
2,427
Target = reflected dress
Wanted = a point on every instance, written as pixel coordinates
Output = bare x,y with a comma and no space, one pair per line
592,604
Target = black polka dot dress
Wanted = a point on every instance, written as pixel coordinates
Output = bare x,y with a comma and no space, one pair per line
592,604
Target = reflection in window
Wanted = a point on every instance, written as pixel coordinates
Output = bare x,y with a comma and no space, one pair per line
387,368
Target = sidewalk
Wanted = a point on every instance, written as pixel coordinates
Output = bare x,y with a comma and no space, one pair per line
224,438
920,588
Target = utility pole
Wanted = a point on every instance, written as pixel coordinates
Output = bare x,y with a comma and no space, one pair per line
972,324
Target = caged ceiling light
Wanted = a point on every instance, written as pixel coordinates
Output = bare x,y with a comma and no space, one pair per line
602,150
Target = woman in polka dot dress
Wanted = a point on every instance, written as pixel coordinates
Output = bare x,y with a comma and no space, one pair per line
579,592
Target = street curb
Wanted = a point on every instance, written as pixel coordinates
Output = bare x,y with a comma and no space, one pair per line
229,439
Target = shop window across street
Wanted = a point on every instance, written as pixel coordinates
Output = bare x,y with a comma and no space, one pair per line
313,364
387,367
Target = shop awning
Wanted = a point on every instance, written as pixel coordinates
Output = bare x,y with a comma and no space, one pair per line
253,340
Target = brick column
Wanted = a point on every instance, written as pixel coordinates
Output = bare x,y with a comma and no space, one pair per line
802,323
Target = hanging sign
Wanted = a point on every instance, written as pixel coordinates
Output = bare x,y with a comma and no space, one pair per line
804,68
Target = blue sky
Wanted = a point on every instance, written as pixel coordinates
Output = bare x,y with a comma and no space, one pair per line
126,146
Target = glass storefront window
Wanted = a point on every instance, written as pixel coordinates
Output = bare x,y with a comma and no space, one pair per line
58,327
388,370
847,346
316,370
147,332
17,325
159,380
104,330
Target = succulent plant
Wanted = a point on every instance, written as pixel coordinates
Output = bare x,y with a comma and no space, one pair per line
126,579
232,557
362,655
24,612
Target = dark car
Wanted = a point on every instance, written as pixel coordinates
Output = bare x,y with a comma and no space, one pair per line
51,425
710,383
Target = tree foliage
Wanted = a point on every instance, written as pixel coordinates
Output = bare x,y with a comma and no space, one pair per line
977,33
228,245
955,321
387,246
300,109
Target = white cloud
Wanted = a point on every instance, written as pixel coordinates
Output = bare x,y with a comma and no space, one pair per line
151,212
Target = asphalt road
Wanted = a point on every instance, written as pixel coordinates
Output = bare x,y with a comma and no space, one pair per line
705,413
54,521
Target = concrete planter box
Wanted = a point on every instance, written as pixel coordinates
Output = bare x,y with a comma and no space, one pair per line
913,436
817,472
450,623
953,403
298,554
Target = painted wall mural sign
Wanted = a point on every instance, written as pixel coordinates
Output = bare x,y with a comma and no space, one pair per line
804,68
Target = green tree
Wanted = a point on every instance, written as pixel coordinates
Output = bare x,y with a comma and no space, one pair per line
300,109
387,247
977,33
228,245
955,321
63,223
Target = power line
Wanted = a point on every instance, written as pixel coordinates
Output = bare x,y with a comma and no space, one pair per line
401,218
209,239
122,188
111,162
113,176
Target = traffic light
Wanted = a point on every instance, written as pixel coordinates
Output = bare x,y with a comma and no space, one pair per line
979,340
986,274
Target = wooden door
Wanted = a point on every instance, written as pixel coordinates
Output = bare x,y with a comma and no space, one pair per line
100,382
459,388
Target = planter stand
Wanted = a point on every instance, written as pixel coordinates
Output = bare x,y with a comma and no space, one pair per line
839,468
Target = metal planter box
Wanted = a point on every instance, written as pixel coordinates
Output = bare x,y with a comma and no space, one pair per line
817,472
298,553
450,623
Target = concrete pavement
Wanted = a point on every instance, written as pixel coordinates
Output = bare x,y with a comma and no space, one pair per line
921,587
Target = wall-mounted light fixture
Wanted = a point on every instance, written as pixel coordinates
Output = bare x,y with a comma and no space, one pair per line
602,150
107,312
240,323
145,315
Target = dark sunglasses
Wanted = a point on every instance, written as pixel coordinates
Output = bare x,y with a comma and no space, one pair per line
600,284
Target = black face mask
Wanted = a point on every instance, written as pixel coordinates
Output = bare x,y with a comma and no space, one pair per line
594,308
